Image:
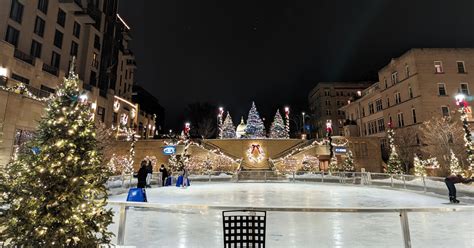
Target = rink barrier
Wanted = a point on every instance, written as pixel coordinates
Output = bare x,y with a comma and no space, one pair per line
403,213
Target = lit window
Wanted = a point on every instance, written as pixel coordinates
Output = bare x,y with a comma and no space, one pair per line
438,66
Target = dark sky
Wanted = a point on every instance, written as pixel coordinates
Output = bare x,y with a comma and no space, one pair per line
232,52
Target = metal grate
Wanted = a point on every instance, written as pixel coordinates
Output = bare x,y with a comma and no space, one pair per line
244,228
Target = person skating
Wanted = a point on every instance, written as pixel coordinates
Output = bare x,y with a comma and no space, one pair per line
185,178
451,181
141,175
164,174
149,170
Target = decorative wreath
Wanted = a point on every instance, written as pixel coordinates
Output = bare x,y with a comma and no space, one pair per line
255,154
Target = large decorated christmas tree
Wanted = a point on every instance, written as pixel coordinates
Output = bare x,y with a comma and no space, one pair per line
394,164
255,127
56,190
278,128
228,128
348,164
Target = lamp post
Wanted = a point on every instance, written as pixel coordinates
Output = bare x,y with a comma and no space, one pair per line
287,117
187,127
461,102
302,114
328,136
219,121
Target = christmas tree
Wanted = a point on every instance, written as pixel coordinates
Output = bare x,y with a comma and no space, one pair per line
420,169
228,128
348,164
394,164
278,128
56,191
454,166
255,127
333,166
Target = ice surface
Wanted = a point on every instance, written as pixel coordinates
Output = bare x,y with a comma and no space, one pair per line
203,228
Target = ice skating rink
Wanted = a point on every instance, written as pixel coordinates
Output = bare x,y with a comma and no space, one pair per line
203,228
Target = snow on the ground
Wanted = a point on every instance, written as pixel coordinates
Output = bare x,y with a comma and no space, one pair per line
203,228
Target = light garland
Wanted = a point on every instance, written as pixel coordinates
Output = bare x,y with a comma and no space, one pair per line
467,137
21,89
298,150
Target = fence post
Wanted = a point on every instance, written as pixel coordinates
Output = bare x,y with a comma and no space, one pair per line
121,227
354,178
405,228
404,184
322,176
294,176
265,173
131,177
209,172
424,183
391,180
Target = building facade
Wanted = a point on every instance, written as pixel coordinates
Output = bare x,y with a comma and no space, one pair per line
39,38
325,101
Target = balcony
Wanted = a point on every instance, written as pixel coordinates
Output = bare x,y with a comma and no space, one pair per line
24,57
70,5
51,69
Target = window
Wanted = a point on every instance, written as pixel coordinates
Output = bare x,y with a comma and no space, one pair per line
413,114
43,6
407,71
385,82
464,88
12,36
390,122
61,17
378,105
410,92
388,102
338,103
55,60
445,111
58,39
371,108
394,77
16,11
398,99
438,66
93,78
401,122
328,112
363,112
441,89
47,89
120,80
326,93
328,102
39,27
35,50
76,30
121,66
381,125
74,48
372,127
20,78
97,42
461,68
101,113
95,60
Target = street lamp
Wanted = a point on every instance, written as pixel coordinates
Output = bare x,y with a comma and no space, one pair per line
220,121
303,113
287,116
461,102
328,135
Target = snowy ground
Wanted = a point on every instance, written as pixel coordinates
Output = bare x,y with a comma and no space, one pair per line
203,228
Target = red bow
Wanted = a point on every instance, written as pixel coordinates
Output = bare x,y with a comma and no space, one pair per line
255,147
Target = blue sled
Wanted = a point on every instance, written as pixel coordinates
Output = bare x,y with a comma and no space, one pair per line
137,195
179,182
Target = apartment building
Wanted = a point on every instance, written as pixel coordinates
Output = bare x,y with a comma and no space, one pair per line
419,85
325,101
39,39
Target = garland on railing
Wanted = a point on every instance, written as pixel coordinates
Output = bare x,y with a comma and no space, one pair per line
21,89
298,150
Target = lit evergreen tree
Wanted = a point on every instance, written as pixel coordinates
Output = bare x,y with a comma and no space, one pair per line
394,164
333,165
348,164
278,128
255,127
56,190
420,169
454,166
228,128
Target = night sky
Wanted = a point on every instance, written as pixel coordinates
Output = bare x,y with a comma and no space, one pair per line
232,52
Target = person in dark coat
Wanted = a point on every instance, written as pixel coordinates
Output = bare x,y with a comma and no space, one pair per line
451,181
164,174
141,175
149,170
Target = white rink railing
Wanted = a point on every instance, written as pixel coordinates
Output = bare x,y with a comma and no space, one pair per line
403,213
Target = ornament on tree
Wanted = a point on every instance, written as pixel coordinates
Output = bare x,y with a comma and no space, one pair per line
420,169
278,129
394,164
255,128
348,164
58,197
228,128
454,166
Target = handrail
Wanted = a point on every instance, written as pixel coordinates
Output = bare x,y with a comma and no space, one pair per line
403,213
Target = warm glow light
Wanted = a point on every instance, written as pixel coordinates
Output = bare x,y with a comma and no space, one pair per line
83,97
460,97
125,101
123,22
287,109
